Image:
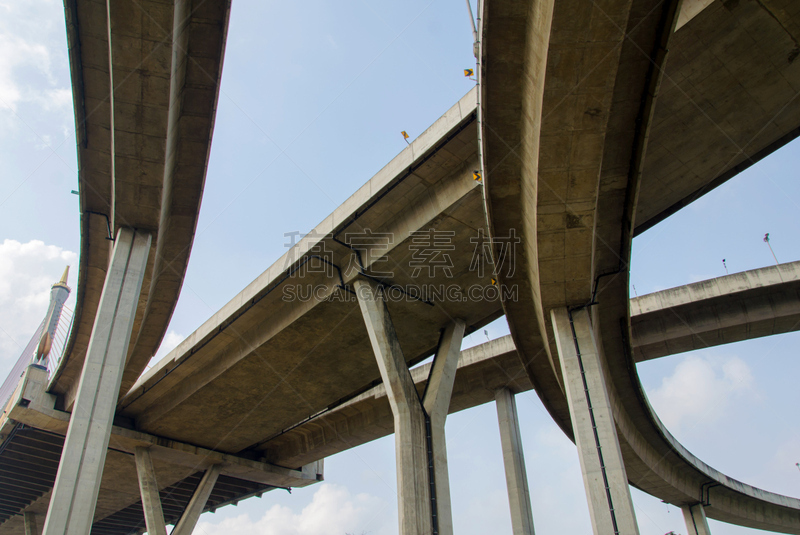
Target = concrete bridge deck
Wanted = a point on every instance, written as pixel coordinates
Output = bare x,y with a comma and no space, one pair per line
34,446
621,122
565,135
145,84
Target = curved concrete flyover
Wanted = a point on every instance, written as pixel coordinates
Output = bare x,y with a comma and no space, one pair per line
571,96
488,367
741,306
145,81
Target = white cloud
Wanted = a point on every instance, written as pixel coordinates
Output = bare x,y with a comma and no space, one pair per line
170,342
700,390
332,511
32,53
27,270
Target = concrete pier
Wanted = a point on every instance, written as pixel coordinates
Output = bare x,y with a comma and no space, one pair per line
71,509
423,492
148,486
604,476
696,521
519,498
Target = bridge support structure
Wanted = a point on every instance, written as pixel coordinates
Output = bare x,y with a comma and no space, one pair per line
74,498
604,475
423,487
148,487
695,518
519,498
191,514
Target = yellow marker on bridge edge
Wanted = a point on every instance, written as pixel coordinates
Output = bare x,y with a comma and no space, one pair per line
468,72
476,175
405,134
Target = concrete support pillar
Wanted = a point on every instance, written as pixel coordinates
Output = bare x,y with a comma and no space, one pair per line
188,521
151,499
696,521
604,477
423,491
31,526
74,497
436,402
519,498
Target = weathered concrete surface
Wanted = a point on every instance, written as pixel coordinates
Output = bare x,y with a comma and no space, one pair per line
148,487
482,371
142,152
80,470
191,515
599,453
270,358
519,496
695,518
415,503
597,150
741,306
727,101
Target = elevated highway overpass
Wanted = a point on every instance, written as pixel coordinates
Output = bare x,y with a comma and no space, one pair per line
621,122
482,372
567,107
145,84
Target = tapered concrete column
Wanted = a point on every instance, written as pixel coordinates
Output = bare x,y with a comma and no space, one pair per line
604,477
519,498
151,499
188,521
421,510
31,526
436,402
696,521
74,497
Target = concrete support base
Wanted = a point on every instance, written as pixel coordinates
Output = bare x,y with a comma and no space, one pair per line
423,487
696,521
74,498
604,476
519,498
151,499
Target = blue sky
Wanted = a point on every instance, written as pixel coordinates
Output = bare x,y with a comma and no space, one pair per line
314,96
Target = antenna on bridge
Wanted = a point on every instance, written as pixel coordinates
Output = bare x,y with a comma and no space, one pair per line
725,266
766,240
474,29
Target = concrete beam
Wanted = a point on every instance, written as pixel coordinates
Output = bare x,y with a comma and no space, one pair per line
413,485
33,407
72,505
188,520
519,497
736,307
696,521
148,486
604,475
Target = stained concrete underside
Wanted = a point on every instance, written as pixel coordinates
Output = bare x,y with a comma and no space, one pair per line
303,357
148,171
265,362
579,199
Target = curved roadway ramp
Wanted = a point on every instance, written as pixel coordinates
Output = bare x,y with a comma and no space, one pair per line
145,83
725,310
574,96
